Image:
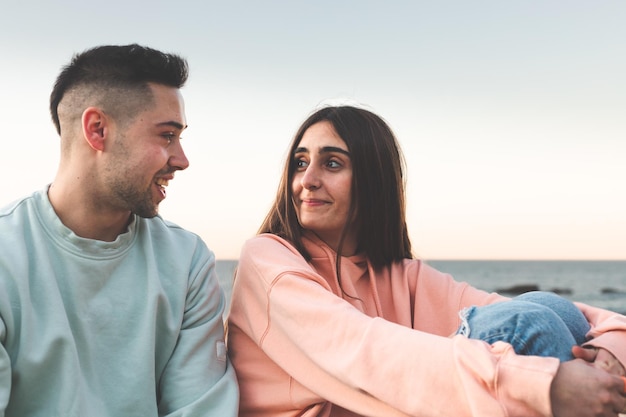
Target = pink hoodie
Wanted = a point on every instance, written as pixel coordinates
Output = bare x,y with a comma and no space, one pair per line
303,347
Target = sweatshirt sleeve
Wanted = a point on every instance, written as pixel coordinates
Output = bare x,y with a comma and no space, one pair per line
199,380
373,366
5,371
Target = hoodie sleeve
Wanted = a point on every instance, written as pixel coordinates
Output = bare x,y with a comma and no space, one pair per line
369,365
608,330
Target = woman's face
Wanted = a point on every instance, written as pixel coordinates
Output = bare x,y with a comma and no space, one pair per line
322,185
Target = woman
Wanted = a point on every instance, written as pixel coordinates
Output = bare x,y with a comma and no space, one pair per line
368,332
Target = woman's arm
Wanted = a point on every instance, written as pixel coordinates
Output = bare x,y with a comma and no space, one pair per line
353,360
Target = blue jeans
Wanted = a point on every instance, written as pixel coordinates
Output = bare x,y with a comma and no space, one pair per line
535,323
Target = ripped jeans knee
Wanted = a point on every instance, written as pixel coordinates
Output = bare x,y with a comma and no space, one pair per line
536,323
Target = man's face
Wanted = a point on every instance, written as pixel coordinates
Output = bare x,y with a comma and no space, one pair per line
145,154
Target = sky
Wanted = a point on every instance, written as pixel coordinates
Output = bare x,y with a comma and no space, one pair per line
511,114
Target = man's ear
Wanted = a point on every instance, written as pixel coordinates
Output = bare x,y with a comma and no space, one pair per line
95,128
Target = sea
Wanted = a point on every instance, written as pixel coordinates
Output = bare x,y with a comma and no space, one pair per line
598,283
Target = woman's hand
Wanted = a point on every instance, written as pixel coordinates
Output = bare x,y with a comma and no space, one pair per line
580,389
600,358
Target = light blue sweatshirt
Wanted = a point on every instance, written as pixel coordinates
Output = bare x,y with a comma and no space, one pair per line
117,329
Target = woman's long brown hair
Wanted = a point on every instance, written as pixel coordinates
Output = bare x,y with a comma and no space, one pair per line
378,187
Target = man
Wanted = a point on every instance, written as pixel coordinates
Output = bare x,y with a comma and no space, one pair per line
106,309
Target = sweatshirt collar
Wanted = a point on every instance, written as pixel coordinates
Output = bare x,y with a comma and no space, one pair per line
66,238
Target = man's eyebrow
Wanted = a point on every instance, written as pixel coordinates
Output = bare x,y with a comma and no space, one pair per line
325,149
172,124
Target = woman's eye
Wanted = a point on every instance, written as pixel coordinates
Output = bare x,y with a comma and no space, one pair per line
333,164
300,163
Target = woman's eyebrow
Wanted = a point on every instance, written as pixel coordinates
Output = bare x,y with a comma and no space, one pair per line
329,149
325,149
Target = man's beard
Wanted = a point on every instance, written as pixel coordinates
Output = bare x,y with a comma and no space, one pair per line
138,202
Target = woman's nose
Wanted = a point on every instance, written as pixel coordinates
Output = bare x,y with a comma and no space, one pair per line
310,178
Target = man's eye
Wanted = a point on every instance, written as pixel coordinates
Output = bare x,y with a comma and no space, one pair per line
168,136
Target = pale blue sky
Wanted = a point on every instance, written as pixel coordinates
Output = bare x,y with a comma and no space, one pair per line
512,115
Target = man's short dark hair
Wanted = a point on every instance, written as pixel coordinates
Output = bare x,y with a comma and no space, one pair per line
122,68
